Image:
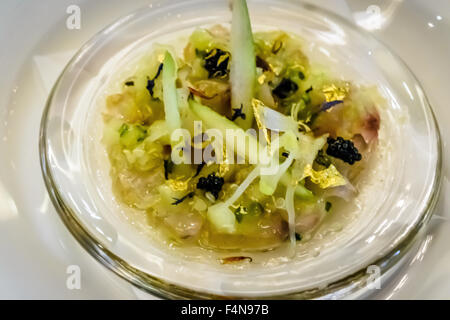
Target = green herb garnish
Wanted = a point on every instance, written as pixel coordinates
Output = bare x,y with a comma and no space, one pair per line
301,75
123,129
255,209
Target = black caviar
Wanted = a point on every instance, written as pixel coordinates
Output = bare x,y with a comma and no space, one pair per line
211,183
343,149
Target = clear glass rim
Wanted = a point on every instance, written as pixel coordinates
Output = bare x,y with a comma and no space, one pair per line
163,289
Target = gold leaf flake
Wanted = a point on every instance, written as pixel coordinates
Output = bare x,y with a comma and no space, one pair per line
333,93
261,79
222,58
327,178
178,185
256,104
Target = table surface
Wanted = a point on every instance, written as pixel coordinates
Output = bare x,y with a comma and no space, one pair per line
35,248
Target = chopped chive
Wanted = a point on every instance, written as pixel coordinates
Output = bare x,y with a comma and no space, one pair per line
255,209
143,134
301,75
328,206
123,129
277,46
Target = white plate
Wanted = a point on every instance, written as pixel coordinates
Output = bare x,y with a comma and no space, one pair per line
36,249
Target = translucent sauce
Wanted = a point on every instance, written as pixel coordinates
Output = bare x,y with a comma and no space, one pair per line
331,117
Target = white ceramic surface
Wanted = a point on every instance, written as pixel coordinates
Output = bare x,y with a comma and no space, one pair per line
36,249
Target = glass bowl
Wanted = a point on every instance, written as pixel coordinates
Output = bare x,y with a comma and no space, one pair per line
395,207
